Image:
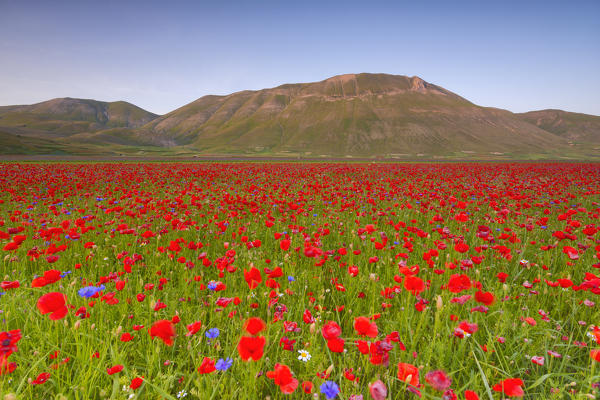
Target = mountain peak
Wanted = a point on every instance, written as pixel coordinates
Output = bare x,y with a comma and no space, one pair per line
341,78
417,83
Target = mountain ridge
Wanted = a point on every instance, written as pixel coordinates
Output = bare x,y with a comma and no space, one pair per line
349,115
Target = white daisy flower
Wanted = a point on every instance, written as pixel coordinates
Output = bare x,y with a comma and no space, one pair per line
304,355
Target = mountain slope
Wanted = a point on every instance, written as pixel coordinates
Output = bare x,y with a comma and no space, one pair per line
67,116
352,115
574,127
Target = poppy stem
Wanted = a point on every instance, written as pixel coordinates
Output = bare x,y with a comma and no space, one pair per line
485,381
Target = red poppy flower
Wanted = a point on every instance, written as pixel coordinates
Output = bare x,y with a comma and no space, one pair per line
471,395
49,277
193,328
486,298
378,390
595,354
465,328
7,367
53,303
571,252
510,387
282,377
254,326
8,343
438,380
307,317
252,277
307,386
565,283
164,330
458,283
5,285
126,337
136,383
408,373
41,378
414,284
364,327
11,246
362,346
461,247
207,366
251,347
276,273
331,330
539,360
335,345
114,370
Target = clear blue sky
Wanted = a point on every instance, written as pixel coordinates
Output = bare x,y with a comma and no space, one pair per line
539,54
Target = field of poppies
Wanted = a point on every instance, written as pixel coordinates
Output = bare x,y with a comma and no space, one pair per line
329,281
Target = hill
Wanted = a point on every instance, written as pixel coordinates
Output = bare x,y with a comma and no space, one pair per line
575,127
352,115
68,116
358,115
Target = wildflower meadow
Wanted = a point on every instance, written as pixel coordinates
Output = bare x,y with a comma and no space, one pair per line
299,280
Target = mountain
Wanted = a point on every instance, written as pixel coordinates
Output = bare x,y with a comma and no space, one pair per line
574,127
69,116
52,126
352,115
358,115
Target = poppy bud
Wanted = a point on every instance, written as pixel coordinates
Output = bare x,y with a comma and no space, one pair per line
439,303
329,369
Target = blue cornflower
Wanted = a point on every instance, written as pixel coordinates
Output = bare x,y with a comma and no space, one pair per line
212,285
89,291
65,274
224,364
291,279
330,389
213,333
